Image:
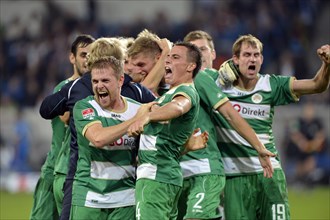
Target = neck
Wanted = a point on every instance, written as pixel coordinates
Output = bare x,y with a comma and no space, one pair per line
246,84
74,76
179,83
118,104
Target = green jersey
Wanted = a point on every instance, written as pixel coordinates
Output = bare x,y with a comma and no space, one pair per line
59,129
62,161
105,177
162,142
257,108
207,160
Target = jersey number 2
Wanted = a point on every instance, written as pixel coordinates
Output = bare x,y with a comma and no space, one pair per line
200,197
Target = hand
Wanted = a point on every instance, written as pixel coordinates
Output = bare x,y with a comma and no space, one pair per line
228,72
154,107
197,141
165,45
264,158
141,118
324,53
137,127
65,117
145,109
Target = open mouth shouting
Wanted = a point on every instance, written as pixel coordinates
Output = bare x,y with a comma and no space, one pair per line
103,96
252,67
168,71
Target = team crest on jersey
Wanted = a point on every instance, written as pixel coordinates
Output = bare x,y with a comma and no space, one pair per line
87,113
256,98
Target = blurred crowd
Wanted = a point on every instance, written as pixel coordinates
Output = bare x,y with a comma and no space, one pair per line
34,52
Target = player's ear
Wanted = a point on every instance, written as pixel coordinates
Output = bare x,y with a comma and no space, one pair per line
235,59
72,58
191,67
121,80
213,55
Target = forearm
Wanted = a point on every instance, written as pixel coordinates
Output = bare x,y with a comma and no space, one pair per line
241,126
100,136
322,78
244,129
53,106
155,76
318,84
167,112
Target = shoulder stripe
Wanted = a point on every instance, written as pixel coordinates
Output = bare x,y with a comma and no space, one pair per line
88,125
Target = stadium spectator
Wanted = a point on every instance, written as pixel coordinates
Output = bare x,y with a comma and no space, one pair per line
306,139
22,142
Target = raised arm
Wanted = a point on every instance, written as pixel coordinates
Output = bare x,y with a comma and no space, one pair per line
320,82
154,77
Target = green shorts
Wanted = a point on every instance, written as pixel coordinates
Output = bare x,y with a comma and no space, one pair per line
156,200
257,197
87,213
58,191
200,197
44,206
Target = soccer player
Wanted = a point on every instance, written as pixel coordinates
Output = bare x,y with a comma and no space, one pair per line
165,131
146,61
203,172
45,204
104,183
247,194
205,43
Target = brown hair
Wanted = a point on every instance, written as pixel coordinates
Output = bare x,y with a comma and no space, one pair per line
198,35
106,62
146,43
249,39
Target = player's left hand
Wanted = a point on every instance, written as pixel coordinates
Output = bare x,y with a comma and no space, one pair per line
197,140
264,158
324,53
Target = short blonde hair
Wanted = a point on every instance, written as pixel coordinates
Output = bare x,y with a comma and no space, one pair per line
146,43
106,47
106,62
249,39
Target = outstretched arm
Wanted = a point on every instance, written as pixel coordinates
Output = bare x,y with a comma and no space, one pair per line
244,129
177,107
100,136
320,82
